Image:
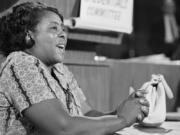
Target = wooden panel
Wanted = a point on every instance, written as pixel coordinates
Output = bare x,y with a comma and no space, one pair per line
94,81
96,36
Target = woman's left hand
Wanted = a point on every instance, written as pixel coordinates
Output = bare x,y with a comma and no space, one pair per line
140,95
137,93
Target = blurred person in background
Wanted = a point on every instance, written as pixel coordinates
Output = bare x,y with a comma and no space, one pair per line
164,31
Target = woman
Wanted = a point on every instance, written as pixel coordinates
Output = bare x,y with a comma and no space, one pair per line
38,94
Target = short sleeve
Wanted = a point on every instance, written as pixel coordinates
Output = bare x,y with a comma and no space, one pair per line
29,82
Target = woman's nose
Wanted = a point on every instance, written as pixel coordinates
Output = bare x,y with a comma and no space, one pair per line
62,35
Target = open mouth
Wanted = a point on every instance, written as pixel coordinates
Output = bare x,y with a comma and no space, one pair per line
61,46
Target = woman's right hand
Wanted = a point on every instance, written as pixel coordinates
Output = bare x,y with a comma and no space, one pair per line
133,109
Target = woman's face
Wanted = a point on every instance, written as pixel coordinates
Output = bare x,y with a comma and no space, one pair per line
50,39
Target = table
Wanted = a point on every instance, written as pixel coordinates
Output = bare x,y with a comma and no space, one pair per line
167,128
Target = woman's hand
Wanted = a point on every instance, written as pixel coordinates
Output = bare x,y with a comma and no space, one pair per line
134,108
138,93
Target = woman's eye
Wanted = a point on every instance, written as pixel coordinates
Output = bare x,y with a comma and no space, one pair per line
54,28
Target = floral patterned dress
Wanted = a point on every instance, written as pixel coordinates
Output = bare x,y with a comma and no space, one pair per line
24,81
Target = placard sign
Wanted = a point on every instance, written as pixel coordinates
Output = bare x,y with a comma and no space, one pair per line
115,15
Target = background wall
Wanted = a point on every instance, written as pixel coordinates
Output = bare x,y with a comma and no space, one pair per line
135,44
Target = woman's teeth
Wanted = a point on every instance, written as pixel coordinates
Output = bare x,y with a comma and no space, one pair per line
61,46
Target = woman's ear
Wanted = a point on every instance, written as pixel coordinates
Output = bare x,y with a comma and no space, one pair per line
29,39
31,34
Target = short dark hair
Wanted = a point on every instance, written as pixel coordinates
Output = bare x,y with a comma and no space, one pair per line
15,25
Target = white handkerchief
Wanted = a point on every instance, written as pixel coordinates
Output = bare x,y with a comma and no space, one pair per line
156,89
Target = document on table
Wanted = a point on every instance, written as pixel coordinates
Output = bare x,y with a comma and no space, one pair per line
167,128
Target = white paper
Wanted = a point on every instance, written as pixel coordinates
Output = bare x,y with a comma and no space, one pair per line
111,15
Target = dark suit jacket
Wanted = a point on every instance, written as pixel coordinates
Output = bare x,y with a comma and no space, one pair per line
156,35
